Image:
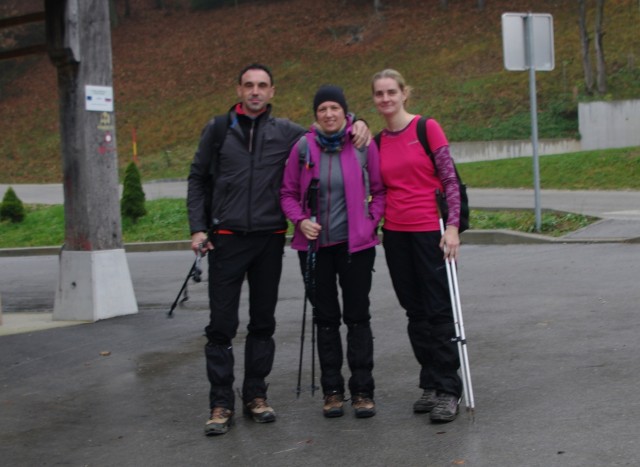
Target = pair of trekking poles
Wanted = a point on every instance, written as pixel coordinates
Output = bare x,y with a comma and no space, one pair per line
309,292
454,295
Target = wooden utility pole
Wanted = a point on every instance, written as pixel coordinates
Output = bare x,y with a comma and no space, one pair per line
94,281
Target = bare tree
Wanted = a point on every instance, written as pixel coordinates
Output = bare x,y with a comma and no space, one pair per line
601,74
113,14
113,11
585,40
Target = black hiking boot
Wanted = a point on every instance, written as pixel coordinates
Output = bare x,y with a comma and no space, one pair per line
446,410
427,401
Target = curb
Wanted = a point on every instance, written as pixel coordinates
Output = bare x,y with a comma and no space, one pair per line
470,237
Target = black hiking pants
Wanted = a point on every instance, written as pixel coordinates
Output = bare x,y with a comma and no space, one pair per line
353,272
259,259
419,277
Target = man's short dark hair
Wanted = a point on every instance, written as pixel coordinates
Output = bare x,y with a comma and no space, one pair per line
255,66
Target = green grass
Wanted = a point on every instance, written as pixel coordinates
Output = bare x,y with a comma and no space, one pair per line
44,225
611,169
614,169
554,224
167,220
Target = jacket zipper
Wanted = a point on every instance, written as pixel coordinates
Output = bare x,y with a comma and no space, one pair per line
251,131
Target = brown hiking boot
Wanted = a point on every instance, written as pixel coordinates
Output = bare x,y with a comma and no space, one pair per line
260,410
333,405
220,421
363,406
427,401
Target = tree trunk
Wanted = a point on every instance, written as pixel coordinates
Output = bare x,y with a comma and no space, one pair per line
584,39
444,4
113,13
377,4
127,8
601,73
480,4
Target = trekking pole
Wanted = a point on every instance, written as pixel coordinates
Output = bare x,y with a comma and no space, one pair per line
309,285
454,294
312,299
304,320
196,273
313,206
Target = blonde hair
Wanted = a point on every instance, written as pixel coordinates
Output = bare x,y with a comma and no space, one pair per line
395,75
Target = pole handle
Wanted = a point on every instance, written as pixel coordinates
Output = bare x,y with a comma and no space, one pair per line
312,198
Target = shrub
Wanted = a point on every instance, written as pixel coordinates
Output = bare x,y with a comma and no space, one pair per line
133,198
11,207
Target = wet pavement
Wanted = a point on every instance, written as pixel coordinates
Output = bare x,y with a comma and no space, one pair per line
551,325
552,339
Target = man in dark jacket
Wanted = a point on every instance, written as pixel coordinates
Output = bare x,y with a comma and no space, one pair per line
234,214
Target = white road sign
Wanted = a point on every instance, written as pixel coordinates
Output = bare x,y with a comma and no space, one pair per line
514,41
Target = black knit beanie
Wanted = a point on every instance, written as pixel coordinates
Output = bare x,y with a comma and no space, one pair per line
331,93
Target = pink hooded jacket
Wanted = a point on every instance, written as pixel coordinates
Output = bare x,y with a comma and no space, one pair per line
363,215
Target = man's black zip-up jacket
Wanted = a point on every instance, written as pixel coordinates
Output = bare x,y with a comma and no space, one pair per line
247,176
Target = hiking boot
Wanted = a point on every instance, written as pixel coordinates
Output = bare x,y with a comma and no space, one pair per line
260,410
220,421
333,405
427,401
363,406
446,409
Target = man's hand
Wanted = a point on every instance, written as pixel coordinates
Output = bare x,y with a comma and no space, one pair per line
360,134
450,243
200,243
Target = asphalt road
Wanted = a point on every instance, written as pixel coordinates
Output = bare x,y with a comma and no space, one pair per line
552,338
606,203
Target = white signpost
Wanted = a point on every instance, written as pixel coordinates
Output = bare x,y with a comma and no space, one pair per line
527,40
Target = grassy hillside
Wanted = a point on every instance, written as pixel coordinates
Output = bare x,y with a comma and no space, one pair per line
173,69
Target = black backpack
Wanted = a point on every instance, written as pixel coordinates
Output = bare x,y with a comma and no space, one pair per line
441,197
220,126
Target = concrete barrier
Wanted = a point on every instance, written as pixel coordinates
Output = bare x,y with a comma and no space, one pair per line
609,124
602,125
494,150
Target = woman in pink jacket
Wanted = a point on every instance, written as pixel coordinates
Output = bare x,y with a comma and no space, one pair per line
350,203
414,247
